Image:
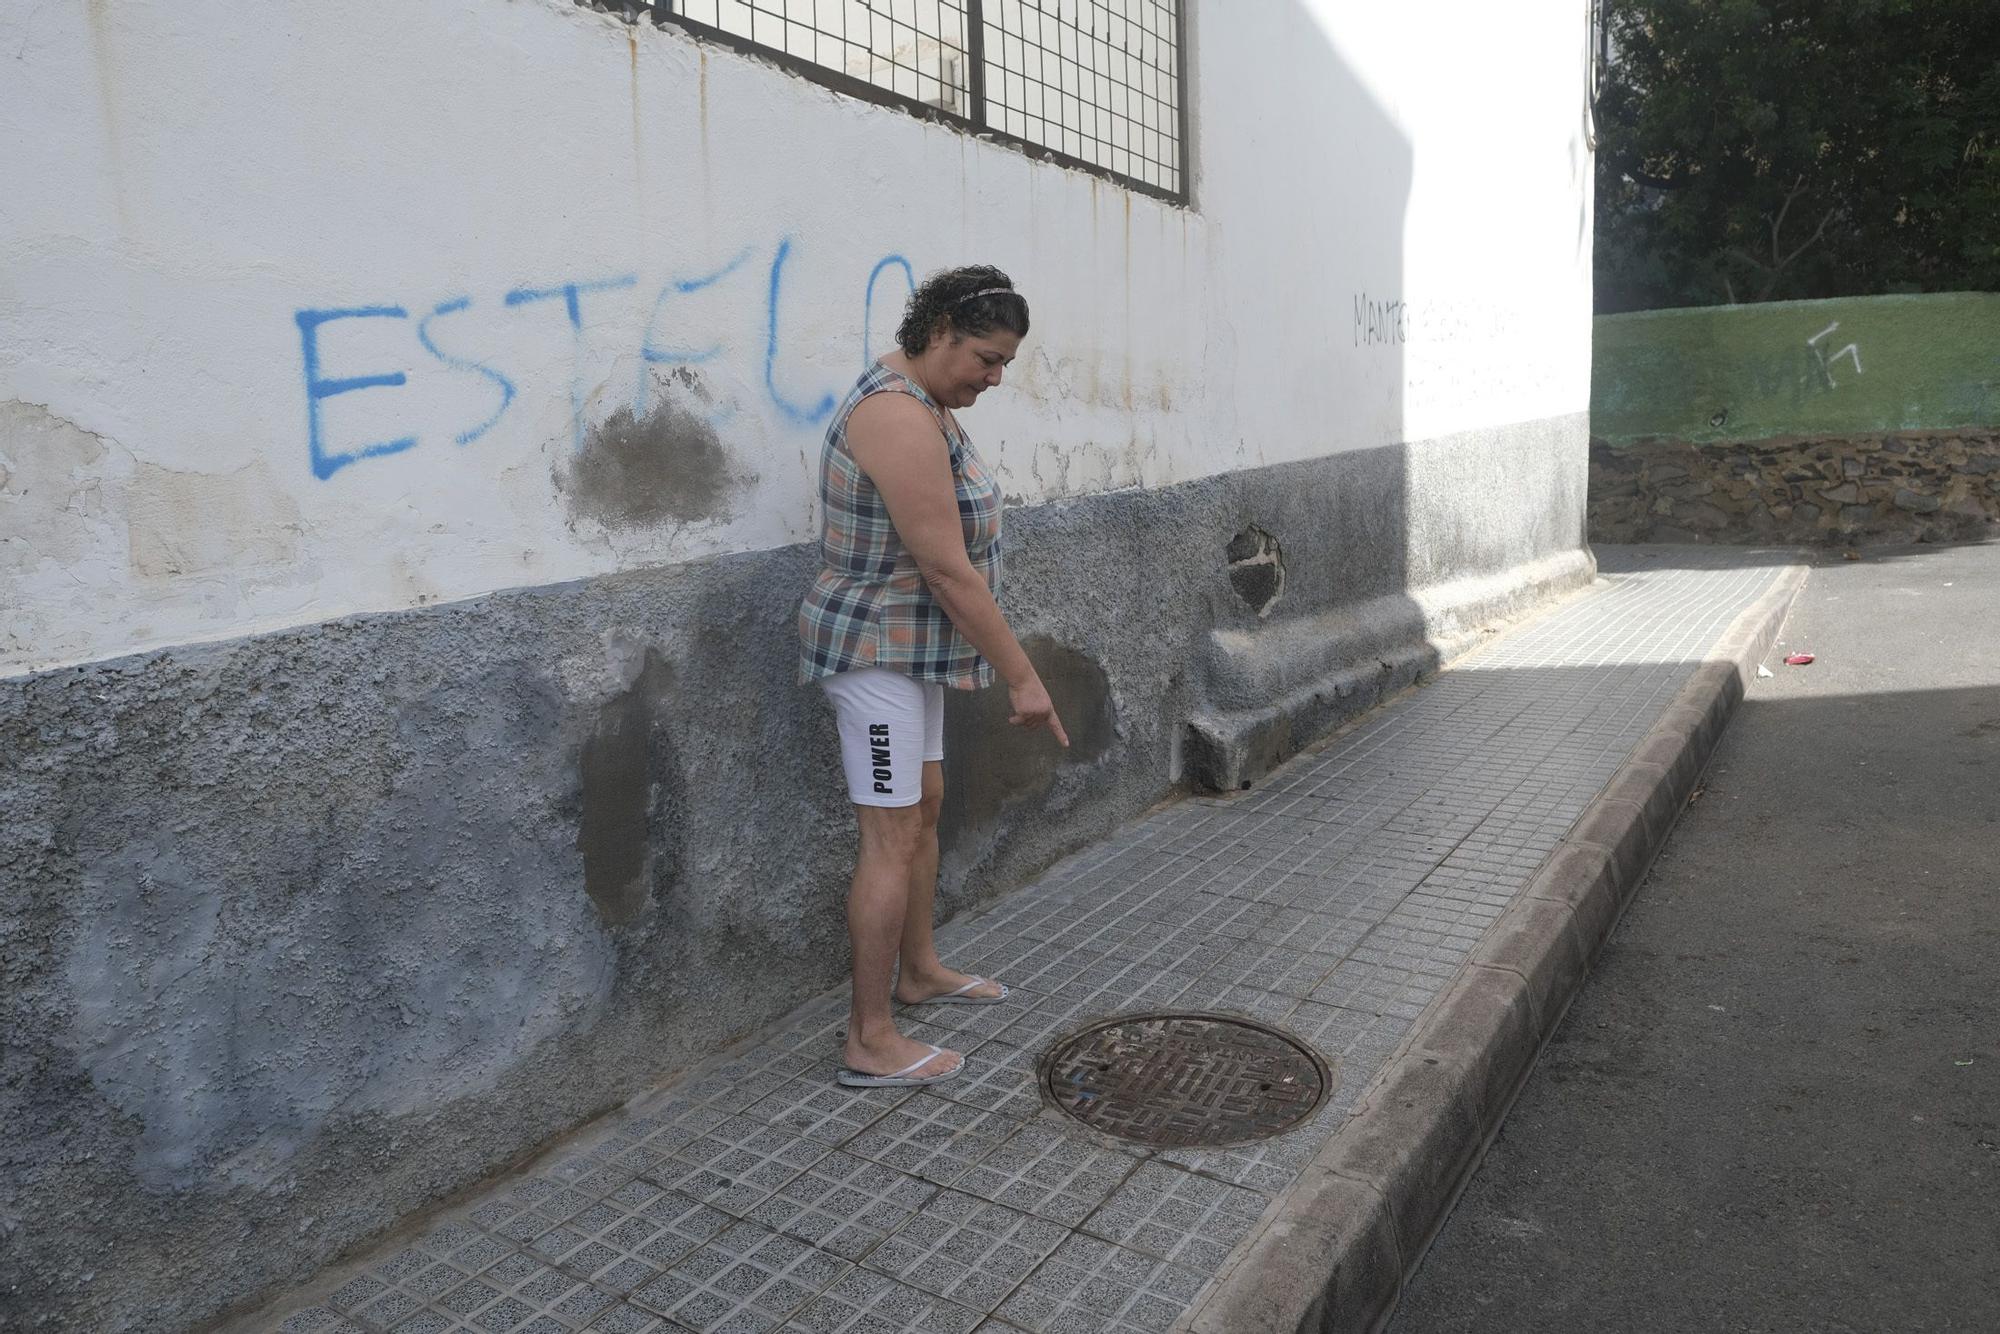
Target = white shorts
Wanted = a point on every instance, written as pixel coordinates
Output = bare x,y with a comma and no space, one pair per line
889,725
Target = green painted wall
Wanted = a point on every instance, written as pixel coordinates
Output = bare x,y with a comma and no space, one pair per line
1851,366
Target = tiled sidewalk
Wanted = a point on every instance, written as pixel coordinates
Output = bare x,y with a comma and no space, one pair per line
1335,900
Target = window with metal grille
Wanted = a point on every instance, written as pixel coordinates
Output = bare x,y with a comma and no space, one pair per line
1096,84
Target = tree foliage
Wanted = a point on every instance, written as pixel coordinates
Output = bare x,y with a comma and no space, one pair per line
1763,150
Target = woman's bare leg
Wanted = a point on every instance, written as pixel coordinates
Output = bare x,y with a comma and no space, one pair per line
923,974
876,906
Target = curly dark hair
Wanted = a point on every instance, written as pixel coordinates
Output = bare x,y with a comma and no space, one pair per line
945,301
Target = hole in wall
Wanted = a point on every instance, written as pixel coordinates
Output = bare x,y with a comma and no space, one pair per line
1256,569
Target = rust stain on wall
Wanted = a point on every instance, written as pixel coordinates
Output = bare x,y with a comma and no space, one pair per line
638,136
97,15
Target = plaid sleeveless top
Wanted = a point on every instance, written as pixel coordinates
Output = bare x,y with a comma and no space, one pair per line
869,605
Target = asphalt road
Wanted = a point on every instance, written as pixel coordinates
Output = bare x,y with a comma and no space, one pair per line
1775,1104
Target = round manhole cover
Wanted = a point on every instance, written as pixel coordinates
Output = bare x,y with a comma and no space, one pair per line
1184,1080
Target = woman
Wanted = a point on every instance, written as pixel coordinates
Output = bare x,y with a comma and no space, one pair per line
905,606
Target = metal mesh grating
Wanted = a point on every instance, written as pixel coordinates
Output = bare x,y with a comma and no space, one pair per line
914,49
1091,83
1095,80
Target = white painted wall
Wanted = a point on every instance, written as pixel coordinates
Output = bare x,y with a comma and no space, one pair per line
185,177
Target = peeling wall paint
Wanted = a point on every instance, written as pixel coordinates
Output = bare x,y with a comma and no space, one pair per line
379,285
196,523
54,476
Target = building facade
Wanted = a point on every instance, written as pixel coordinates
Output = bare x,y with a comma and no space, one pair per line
409,426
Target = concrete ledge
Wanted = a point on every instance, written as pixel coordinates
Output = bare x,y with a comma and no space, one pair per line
1224,752
1540,944
1678,754
1583,878
1618,827
1380,1189
1484,1033
1331,1254
1697,725
1280,688
1415,1135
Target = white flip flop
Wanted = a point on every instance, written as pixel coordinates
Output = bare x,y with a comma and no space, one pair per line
959,997
902,1079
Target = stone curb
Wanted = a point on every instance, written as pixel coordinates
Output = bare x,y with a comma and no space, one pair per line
1333,1252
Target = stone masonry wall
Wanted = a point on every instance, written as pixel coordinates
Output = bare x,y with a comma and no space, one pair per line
1909,487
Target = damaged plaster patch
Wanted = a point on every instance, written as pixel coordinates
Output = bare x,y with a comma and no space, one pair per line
1256,569
185,523
667,466
213,941
992,765
53,493
82,519
620,768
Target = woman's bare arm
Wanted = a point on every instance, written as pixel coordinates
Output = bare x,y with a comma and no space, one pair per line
897,443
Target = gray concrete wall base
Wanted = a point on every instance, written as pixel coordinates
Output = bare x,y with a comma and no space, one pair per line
1422,1127
305,932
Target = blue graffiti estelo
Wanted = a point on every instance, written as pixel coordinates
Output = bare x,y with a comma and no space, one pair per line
654,347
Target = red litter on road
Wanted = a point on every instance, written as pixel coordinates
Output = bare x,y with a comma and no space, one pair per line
1798,659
